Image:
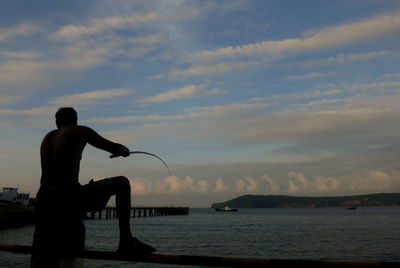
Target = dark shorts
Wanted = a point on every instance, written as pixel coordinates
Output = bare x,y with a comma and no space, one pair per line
74,199
95,194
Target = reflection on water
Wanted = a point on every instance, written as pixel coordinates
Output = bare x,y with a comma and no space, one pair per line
311,233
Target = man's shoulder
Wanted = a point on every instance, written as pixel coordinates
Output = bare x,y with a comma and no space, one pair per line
50,133
76,128
84,129
71,130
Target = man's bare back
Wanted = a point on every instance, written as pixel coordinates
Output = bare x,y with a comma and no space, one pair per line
61,152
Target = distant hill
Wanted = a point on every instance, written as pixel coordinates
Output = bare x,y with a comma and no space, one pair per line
281,201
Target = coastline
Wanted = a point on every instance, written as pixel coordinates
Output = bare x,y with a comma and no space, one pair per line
286,201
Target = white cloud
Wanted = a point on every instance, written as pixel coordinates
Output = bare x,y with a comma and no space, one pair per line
121,22
299,96
324,102
91,97
22,55
183,92
312,75
326,38
220,186
188,91
214,69
15,73
366,181
170,185
273,187
21,70
23,29
393,75
344,58
374,86
247,185
190,113
372,180
96,26
196,186
33,111
6,99
223,109
139,187
298,183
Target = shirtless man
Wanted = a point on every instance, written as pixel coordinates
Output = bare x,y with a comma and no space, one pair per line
61,197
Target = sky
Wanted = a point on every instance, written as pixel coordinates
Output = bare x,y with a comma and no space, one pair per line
237,97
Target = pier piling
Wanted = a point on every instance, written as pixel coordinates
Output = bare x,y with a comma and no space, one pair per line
111,212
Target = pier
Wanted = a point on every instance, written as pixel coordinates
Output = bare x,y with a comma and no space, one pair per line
111,212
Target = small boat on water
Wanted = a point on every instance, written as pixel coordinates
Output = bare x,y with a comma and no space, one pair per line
226,209
351,208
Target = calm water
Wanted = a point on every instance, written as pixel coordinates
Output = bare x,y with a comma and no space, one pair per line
312,233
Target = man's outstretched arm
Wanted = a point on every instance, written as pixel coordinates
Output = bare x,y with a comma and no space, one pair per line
96,140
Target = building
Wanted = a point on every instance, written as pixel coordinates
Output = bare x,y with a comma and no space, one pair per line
11,195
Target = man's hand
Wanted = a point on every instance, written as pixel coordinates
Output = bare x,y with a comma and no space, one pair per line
123,151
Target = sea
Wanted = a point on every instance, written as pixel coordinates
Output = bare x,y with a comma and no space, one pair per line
364,234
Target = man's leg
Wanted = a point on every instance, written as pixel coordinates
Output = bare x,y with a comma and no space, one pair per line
97,195
123,203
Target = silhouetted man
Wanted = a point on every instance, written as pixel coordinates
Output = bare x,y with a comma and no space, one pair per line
61,199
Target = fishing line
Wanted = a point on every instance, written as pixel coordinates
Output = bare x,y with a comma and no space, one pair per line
141,152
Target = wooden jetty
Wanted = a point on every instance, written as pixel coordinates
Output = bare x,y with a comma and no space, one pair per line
111,212
212,261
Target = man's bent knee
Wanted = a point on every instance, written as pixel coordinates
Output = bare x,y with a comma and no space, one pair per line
122,182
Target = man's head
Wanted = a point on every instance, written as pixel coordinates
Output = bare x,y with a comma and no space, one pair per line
66,116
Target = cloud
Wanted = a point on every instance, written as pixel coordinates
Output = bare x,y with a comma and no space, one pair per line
312,75
91,97
215,69
6,99
344,58
122,22
299,96
183,92
394,75
324,123
345,34
273,187
319,184
358,182
220,186
16,73
189,113
139,187
374,86
247,185
371,180
20,30
26,70
170,185
96,26
31,112
61,59
21,55
366,181
188,91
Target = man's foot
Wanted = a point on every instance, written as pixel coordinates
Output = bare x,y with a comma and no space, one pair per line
134,247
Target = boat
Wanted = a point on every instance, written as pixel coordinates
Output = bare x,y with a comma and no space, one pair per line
226,209
351,208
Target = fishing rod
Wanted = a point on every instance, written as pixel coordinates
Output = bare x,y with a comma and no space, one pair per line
141,152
